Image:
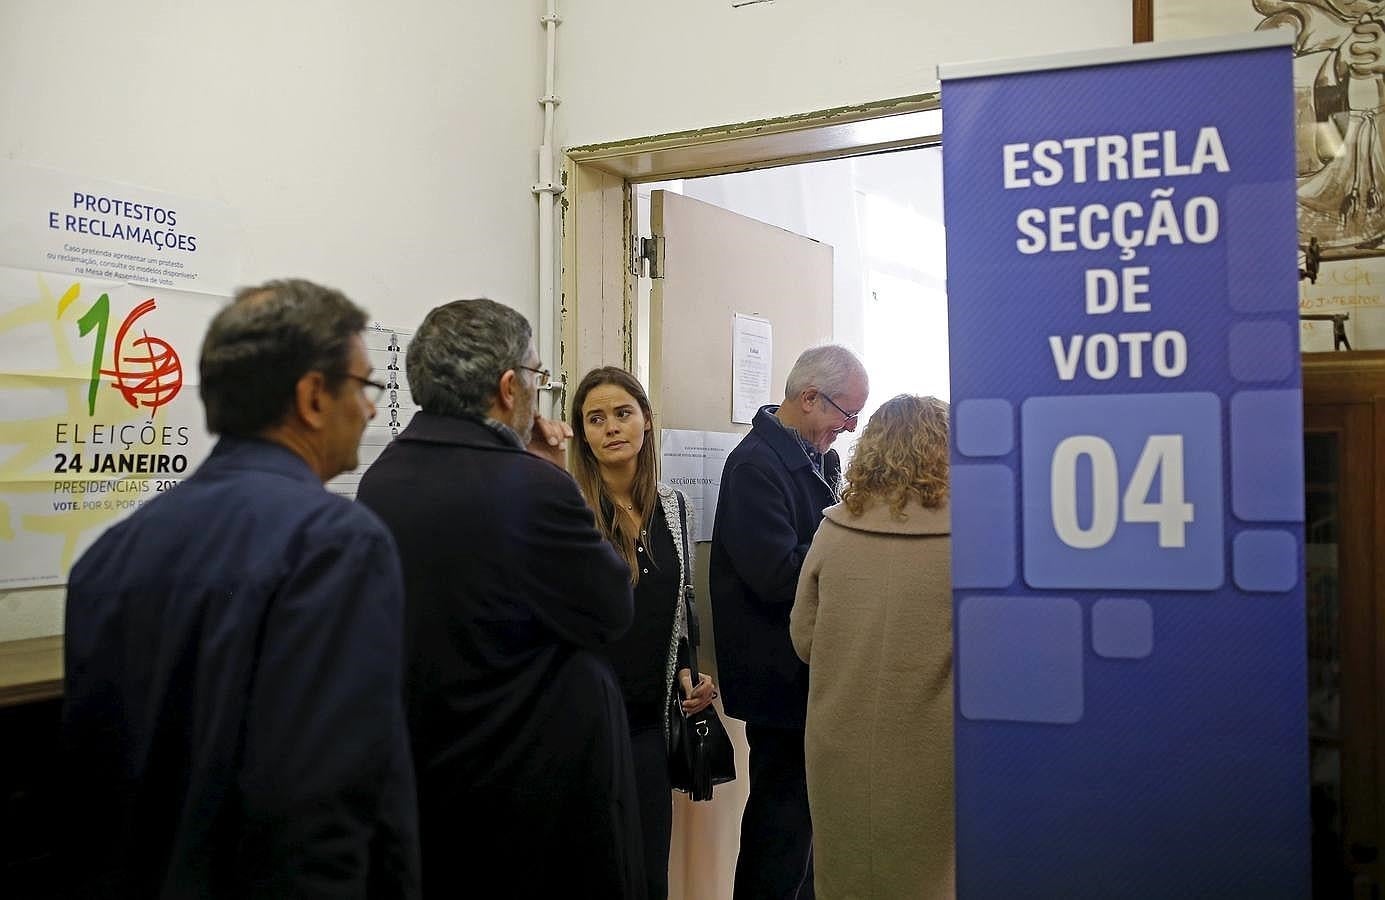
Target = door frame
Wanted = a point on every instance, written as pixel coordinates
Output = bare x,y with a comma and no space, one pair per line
598,303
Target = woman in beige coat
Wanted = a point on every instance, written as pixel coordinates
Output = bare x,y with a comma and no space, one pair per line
873,619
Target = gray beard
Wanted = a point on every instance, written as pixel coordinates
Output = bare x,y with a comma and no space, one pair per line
523,420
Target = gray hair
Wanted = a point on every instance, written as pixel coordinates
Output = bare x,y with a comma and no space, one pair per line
268,338
459,353
827,367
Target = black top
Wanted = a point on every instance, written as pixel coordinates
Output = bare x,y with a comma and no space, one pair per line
640,658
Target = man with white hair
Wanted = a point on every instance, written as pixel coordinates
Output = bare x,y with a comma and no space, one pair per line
774,488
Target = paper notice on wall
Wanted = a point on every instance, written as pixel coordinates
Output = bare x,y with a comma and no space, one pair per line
73,224
387,348
691,461
99,411
752,356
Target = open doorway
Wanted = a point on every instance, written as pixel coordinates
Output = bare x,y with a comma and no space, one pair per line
883,217
603,323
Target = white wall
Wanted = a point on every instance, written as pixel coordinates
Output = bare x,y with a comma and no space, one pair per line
630,69
386,149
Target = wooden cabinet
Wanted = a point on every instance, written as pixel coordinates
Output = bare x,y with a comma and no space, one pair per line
30,805
1344,469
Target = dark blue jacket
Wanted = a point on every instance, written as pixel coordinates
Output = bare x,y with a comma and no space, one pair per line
233,718
771,501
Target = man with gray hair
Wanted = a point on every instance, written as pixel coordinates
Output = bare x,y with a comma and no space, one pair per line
233,720
774,487
525,774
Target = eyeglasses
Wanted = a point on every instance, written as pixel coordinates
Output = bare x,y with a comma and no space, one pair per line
372,390
544,376
849,417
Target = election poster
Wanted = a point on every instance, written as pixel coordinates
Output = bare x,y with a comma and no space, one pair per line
106,290
1127,473
68,223
101,413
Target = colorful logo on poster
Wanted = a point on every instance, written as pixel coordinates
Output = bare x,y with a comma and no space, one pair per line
145,369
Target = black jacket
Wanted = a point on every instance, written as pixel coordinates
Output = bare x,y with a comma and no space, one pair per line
525,779
770,504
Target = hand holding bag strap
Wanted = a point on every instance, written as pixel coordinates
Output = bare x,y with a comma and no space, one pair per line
689,595
679,748
701,754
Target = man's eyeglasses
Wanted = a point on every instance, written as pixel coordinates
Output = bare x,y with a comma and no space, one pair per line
543,376
849,417
373,390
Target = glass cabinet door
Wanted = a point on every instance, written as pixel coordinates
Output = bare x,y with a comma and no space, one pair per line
1331,876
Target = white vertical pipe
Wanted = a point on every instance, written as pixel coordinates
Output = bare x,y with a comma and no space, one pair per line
547,192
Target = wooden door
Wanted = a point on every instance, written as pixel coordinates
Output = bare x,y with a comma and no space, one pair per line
713,264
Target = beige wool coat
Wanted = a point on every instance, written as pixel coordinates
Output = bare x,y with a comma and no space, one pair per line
873,620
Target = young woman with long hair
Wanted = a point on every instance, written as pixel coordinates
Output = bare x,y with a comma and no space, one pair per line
614,461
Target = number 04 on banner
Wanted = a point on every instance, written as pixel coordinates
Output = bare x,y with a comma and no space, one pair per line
1123,491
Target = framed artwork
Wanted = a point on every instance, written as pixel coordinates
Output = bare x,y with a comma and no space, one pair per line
1339,137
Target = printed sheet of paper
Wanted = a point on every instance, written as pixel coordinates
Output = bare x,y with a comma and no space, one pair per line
387,348
752,356
66,223
98,410
691,461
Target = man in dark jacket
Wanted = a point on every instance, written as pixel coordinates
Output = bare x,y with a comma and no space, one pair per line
525,776
233,722
774,487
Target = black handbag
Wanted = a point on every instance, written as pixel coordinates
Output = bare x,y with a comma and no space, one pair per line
699,752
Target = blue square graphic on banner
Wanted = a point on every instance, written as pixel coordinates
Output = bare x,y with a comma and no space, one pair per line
1262,351
1122,628
1266,561
984,427
1266,450
984,554
1019,659
1123,491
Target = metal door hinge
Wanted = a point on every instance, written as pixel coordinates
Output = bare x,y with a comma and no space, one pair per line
647,257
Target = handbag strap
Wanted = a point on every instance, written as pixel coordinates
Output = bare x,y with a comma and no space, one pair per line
689,598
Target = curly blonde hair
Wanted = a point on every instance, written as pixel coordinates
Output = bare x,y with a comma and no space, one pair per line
902,456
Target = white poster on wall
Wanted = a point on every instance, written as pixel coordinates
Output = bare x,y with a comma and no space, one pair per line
691,461
99,410
72,224
752,356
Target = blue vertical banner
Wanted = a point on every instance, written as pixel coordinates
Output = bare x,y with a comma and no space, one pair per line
1127,471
